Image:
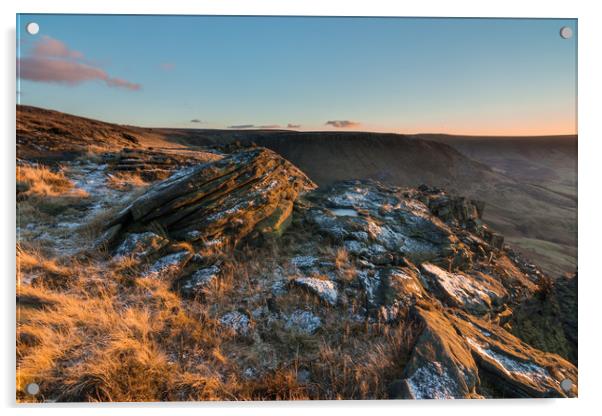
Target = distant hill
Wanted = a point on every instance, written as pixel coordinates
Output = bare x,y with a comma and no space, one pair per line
47,134
332,156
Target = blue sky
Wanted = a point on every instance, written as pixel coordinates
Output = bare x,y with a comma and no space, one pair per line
407,75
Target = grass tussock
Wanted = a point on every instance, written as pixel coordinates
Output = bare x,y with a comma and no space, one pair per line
126,181
362,370
43,193
346,271
33,263
43,182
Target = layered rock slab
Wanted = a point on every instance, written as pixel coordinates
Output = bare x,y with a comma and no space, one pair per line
455,353
441,365
476,292
217,204
515,368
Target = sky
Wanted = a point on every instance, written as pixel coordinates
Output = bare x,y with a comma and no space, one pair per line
403,75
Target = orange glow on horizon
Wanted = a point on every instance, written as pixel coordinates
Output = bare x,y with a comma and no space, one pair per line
552,128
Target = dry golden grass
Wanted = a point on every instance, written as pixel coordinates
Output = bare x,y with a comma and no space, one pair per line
125,181
100,340
42,194
361,370
41,181
107,334
345,270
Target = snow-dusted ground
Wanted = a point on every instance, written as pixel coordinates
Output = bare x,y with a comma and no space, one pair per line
64,233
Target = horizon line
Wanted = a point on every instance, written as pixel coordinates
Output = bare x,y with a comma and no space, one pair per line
340,131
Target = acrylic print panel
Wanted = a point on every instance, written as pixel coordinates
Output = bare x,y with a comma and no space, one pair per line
292,208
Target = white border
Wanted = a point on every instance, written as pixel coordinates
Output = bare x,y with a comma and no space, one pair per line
590,206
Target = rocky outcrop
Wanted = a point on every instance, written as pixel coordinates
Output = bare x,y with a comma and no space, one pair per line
460,211
217,204
381,223
465,212
357,254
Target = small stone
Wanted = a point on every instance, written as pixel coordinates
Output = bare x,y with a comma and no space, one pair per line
200,279
236,321
170,264
140,245
324,289
303,376
279,287
250,373
259,312
303,321
302,262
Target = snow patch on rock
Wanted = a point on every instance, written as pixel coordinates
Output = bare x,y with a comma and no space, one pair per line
200,279
303,321
513,367
168,264
303,262
236,321
432,381
324,289
461,289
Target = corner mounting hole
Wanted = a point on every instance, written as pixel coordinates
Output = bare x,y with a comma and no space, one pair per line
566,384
32,28
32,388
566,32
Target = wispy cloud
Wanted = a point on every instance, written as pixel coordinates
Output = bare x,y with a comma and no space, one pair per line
342,124
196,120
293,126
53,61
254,126
242,126
122,83
167,66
